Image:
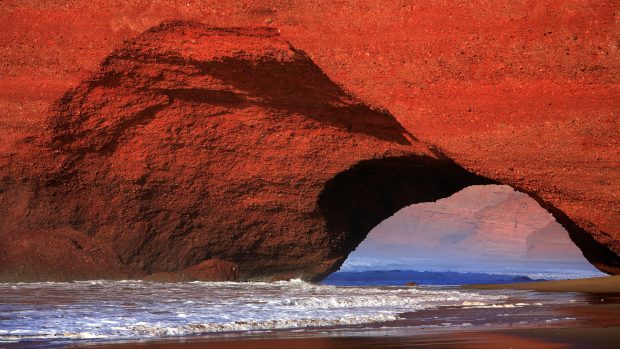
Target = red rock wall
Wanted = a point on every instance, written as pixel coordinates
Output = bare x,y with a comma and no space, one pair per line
193,144
524,93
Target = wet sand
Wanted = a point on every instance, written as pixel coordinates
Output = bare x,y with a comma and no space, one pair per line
547,338
607,284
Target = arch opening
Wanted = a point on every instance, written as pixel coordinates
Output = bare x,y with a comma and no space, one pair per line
422,213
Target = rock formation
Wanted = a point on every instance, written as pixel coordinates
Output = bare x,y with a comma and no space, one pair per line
193,144
195,151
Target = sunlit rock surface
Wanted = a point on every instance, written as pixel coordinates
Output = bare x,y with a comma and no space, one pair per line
524,95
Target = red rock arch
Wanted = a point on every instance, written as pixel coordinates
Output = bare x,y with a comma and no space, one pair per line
209,153
358,199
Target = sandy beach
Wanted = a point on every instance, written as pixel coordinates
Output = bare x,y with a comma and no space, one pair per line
608,284
547,338
527,339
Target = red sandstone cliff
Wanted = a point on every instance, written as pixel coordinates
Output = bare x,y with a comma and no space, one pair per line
524,93
194,144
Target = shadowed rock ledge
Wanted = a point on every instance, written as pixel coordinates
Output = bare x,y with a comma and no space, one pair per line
200,153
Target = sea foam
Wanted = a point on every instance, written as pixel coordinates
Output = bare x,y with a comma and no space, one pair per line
132,309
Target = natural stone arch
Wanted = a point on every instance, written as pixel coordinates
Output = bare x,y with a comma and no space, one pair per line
214,153
357,200
184,153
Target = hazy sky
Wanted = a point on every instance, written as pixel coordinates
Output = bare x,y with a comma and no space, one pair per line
481,228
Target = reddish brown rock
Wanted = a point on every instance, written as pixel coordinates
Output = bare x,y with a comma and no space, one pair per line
209,270
195,144
213,270
525,94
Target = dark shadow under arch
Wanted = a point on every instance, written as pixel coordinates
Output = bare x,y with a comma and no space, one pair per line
358,199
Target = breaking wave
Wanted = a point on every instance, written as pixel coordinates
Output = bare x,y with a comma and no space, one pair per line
133,309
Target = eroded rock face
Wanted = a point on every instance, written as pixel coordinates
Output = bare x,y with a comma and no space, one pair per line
192,144
206,153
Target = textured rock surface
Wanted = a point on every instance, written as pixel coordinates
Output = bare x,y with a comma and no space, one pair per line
524,93
193,143
208,270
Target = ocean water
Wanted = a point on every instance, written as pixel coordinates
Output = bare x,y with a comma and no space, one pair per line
51,314
401,277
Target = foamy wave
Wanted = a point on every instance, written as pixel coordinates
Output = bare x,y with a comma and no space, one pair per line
370,301
129,309
198,328
146,330
480,305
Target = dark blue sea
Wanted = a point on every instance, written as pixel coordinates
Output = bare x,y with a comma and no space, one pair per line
402,277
